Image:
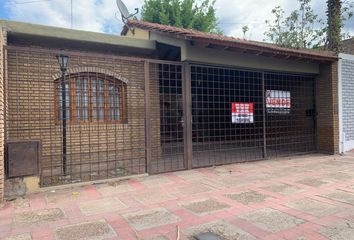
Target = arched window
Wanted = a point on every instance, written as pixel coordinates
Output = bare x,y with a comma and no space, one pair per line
91,97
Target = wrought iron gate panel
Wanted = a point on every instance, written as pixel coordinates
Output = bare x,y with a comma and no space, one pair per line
166,117
290,126
216,138
105,133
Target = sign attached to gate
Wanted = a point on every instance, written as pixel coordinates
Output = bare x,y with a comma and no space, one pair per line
242,112
278,101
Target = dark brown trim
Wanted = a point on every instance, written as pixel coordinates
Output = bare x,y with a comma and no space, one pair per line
187,104
148,130
265,155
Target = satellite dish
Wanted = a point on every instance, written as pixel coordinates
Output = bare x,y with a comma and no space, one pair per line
125,12
123,9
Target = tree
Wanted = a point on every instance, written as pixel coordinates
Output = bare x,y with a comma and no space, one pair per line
337,13
334,22
187,14
245,29
303,28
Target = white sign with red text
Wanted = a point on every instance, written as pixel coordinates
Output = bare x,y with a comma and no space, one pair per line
242,112
278,101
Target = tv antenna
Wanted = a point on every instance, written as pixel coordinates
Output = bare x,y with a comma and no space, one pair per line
126,16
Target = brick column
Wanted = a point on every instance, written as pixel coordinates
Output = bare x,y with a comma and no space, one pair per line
327,108
2,80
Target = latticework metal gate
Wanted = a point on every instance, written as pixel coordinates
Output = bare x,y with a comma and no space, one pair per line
246,115
290,130
166,117
216,139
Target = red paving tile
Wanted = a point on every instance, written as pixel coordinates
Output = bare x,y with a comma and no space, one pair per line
211,178
91,192
250,228
174,178
136,184
42,233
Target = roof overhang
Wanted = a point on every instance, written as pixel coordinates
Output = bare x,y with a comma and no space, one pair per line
34,31
232,44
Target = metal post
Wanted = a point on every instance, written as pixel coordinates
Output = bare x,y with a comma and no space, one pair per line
187,104
265,155
314,92
63,103
147,118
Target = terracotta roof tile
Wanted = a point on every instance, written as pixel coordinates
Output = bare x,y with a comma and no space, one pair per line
231,41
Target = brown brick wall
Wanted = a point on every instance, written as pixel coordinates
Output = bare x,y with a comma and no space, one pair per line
327,108
2,80
91,148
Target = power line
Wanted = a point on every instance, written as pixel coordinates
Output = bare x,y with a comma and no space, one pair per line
20,3
239,23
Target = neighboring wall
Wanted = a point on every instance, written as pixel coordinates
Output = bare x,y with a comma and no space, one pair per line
327,108
2,81
348,46
346,91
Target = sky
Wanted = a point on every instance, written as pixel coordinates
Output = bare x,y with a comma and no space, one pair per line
103,16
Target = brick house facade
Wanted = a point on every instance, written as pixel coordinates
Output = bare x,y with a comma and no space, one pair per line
84,144
153,72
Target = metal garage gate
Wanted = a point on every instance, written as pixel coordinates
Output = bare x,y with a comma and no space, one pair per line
216,139
244,115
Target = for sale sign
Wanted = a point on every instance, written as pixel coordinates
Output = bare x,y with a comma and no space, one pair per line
242,112
278,101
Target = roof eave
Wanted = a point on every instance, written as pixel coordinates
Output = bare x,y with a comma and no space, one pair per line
244,45
19,28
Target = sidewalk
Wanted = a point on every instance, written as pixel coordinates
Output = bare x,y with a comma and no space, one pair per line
307,197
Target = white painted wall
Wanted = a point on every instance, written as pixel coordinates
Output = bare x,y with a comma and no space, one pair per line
346,102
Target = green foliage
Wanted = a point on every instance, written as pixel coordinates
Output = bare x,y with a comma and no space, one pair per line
245,29
302,28
338,12
188,14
